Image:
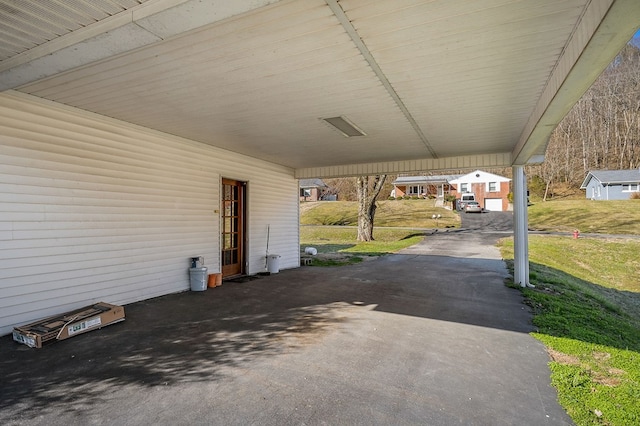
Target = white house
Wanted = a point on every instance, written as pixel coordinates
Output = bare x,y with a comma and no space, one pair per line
97,209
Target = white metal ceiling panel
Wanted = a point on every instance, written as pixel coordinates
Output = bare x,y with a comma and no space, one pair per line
430,82
258,85
25,24
465,63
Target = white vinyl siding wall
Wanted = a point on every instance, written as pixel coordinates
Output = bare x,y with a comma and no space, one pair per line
94,209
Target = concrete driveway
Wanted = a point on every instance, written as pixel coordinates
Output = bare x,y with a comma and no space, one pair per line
429,336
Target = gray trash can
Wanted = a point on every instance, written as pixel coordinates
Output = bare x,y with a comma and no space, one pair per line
273,263
198,278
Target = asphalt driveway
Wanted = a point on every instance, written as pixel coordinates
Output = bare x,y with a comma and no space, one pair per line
429,336
492,222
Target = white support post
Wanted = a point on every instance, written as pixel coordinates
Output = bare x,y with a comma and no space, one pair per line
520,228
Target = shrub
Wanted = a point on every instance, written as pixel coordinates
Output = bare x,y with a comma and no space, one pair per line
635,196
537,186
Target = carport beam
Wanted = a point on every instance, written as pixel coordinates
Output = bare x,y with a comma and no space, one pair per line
520,228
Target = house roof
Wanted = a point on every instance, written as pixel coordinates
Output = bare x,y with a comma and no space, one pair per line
312,183
612,177
479,176
433,85
426,180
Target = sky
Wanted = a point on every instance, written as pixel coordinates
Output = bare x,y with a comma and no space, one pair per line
636,39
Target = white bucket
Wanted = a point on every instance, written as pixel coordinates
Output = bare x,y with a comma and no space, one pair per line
273,263
198,278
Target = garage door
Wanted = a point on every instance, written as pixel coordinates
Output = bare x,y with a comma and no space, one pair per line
493,204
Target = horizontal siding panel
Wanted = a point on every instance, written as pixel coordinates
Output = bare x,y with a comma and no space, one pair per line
100,204
80,275
89,234
78,130
108,281
38,237
96,270
68,205
83,213
121,184
110,238
95,209
49,247
103,222
90,260
62,154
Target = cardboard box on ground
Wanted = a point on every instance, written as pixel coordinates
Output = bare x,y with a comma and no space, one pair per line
69,324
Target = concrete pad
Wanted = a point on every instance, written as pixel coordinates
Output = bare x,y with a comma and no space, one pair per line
429,336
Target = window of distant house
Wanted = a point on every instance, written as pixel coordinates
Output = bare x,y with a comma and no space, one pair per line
414,190
464,187
305,192
493,186
631,188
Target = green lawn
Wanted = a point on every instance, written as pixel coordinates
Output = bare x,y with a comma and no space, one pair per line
601,217
342,239
404,216
586,306
608,262
394,213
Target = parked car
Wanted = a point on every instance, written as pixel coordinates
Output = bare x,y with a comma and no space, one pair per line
472,207
464,199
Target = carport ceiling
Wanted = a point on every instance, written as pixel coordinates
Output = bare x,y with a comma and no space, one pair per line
437,80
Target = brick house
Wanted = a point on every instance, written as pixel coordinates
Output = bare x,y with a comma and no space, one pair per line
312,189
422,186
491,190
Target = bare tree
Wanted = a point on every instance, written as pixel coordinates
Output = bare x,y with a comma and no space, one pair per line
346,188
602,131
343,188
368,191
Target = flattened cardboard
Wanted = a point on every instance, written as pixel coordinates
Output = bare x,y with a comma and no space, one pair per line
64,326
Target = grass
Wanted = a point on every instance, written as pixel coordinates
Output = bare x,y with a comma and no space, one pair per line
608,262
603,217
342,240
597,385
394,213
590,322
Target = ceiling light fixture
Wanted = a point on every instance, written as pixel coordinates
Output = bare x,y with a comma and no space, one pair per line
344,126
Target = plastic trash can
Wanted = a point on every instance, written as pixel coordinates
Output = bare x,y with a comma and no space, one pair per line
273,263
198,278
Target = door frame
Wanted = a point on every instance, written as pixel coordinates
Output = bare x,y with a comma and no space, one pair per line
242,227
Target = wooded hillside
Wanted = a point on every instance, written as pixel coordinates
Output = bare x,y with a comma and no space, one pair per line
602,131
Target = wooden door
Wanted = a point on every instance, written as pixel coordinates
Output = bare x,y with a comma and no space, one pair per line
233,205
